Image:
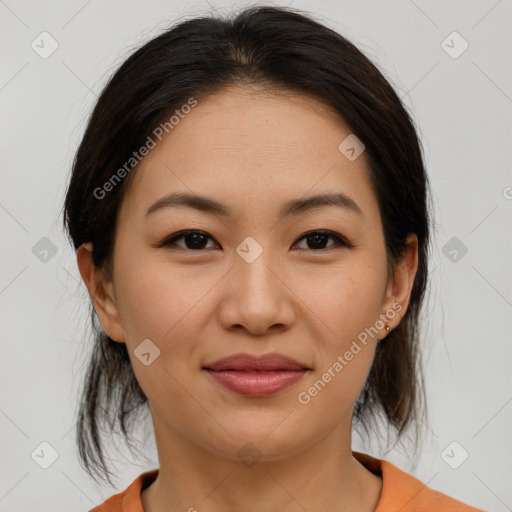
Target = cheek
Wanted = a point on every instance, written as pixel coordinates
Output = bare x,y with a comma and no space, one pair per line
346,305
345,299
157,299
162,303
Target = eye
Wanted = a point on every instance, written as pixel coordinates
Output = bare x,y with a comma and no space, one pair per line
318,239
194,240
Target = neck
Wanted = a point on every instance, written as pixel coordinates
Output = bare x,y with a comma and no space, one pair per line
324,476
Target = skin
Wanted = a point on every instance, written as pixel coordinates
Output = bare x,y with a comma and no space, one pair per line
252,151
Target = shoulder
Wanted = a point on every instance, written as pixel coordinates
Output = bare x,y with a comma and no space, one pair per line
128,500
404,492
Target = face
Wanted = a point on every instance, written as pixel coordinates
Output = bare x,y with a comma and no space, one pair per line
310,283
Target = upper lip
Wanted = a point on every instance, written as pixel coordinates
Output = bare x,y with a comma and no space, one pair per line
247,362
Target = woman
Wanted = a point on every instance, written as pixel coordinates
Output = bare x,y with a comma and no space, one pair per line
249,207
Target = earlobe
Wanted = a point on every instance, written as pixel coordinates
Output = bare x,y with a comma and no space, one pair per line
401,282
101,293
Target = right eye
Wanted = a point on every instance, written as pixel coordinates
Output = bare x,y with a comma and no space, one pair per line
194,240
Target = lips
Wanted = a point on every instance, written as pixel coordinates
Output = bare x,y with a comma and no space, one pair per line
265,362
255,376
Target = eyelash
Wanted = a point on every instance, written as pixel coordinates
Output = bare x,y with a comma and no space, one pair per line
342,242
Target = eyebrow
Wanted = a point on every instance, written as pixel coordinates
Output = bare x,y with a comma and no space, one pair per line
293,207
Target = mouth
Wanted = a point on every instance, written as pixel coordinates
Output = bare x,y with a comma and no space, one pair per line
256,376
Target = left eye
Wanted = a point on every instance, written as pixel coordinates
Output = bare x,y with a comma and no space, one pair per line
318,239
196,240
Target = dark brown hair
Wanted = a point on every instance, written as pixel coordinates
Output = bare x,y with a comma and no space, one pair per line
280,49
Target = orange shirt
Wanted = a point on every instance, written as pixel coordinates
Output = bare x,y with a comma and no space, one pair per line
401,492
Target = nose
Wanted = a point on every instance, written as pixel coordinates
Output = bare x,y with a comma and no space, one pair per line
257,296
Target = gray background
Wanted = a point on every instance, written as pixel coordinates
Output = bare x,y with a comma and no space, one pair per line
463,109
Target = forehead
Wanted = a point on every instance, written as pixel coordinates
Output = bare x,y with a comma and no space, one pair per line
252,147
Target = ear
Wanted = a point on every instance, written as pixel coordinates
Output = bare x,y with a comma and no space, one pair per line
101,292
400,284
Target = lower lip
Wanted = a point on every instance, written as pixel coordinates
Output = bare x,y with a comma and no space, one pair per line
264,383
